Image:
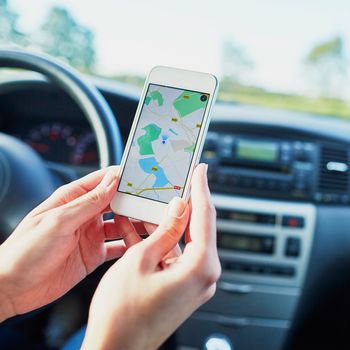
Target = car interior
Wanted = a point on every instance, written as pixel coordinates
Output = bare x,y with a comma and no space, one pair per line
279,180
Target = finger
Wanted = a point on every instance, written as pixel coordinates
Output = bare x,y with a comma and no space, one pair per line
187,232
142,227
202,228
200,254
92,203
173,254
139,227
176,252
168,233
111,230
114,250
73,190
127,231
150,228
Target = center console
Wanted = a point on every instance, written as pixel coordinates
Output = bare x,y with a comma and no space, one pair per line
265,190
264,246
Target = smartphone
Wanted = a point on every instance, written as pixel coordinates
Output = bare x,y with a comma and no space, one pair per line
165,142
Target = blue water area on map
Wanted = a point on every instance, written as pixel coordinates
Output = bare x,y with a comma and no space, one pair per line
147,164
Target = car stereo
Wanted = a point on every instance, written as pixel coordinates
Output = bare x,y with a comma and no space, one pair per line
240,242
256,154
264,167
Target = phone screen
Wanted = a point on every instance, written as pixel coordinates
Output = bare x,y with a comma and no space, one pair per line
163,144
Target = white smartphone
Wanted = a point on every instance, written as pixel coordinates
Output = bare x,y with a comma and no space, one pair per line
165,142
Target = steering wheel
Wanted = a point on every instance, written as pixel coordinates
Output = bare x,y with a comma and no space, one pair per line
24,179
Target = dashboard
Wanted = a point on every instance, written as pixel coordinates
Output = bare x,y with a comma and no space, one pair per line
251,151
281,187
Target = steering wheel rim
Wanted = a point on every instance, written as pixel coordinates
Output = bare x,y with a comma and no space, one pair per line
88,98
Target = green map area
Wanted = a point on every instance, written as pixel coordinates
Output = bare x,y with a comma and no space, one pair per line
145,141
156,96
190,149
188,102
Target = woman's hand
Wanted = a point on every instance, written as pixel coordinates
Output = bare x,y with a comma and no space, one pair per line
58,244
147,294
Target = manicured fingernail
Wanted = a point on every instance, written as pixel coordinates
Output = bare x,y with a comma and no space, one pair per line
176,207
108,179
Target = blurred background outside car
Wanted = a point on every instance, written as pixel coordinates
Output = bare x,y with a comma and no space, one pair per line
292,55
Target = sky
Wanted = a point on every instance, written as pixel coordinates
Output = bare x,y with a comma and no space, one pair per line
133,36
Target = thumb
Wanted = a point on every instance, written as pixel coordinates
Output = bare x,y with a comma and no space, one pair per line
92,203
168,233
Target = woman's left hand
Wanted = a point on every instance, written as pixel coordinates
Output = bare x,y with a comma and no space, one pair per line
58,244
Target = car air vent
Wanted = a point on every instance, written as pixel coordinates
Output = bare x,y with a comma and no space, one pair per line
334,170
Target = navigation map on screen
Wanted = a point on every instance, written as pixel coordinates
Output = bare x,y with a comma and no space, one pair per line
162,148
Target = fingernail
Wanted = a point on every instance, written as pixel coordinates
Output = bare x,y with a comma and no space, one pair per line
176,207
205,171
205,168
108,179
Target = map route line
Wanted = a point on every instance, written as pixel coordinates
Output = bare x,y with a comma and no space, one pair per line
156,189
165,115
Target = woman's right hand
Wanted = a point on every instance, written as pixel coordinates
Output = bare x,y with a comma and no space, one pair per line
146,295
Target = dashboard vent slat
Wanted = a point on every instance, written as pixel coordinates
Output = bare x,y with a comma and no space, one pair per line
332,181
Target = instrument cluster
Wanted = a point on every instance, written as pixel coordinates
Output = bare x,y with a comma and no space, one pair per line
61,142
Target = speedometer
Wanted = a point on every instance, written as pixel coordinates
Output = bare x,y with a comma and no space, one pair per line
85,152
53,141
62,143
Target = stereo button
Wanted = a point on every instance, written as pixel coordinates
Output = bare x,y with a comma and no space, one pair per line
234,180
247,182
222,179
293,247
260,184
284,186
293,221
286,271
271,184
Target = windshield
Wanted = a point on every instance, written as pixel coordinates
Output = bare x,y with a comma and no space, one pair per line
289,54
